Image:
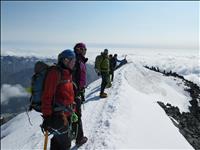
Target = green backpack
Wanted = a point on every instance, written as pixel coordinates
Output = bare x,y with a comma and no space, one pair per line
98,61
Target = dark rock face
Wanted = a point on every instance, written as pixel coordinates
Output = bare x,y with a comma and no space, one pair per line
187,122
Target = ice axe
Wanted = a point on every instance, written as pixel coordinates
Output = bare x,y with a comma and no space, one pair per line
45,139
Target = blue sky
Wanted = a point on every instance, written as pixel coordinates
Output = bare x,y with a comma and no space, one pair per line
54,25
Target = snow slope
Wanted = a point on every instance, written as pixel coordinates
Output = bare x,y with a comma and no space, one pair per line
129,118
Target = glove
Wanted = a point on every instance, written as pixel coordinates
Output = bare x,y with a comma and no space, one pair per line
83,99
82,90
86,59
74,117
46,123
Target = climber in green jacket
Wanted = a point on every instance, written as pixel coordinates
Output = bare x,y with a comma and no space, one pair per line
102,68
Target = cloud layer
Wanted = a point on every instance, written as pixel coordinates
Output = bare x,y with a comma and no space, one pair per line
10,91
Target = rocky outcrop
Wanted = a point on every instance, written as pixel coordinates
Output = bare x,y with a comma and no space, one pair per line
187,122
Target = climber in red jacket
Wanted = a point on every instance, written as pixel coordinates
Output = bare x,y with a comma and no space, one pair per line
58,100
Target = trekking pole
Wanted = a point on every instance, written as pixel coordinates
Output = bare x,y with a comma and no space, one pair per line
83,106
28,116
76,131
45,140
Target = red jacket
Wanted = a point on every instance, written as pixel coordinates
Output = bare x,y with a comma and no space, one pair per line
55,88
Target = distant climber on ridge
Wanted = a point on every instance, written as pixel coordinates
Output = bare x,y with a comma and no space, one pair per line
102,68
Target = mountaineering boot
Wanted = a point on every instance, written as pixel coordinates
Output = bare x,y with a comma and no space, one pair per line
103,95
82,141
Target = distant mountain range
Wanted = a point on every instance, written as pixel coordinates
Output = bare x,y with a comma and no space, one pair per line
18,70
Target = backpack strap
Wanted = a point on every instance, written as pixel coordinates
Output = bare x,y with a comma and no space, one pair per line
102,60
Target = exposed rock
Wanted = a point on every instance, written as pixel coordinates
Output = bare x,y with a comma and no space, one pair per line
187,122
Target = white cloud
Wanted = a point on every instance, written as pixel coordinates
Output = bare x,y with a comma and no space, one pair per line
9,91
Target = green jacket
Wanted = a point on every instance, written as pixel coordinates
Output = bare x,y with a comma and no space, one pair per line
105,63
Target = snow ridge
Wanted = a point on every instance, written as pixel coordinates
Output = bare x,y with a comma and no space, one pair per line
100,133
128,118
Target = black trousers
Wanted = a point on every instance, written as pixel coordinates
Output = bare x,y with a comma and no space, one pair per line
83,96
112,75
63,141
60,142
79,122
105,79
